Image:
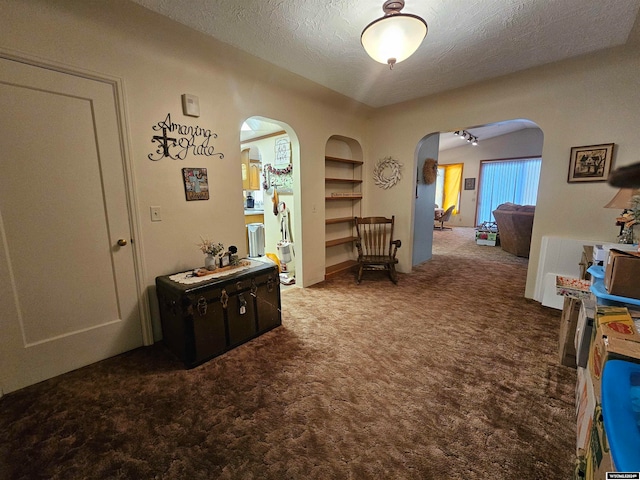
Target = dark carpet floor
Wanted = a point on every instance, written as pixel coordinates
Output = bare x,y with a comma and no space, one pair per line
450,374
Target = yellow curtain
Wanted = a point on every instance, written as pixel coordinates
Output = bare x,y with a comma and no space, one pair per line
452,185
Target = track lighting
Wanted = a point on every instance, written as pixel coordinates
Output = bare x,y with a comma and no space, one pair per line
464,135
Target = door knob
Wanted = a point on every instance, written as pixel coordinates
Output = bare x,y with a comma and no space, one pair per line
122,242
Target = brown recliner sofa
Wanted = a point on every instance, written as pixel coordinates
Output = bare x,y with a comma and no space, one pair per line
515,223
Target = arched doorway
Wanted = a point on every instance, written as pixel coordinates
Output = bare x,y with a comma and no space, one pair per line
271,185
515,138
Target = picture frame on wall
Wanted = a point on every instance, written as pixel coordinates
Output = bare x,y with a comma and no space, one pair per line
196,183
469,183
591,163
282,152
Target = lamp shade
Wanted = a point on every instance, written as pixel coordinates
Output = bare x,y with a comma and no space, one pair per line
622,199
393,38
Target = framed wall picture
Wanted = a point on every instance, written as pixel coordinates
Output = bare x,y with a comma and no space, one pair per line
591,163
196,184
283,152
469,183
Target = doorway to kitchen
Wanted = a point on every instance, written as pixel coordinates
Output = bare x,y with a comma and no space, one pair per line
270,194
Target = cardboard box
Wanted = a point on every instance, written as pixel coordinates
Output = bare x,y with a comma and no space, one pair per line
593,456
568,322
573,287
584,331
622,274
599,254
585,406
487,238
598,458
615,336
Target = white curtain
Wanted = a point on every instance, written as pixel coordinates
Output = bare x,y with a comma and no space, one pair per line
501,181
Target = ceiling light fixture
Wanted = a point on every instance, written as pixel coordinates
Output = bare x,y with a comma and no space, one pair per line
394,37
464,135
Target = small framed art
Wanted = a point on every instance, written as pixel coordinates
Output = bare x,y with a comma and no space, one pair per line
469,183
591,163
225,260
196,185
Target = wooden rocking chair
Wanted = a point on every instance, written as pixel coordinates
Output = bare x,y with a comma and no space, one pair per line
376,249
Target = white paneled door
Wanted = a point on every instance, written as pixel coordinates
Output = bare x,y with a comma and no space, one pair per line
68,293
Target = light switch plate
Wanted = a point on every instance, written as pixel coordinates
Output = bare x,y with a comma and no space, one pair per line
155,214
190,105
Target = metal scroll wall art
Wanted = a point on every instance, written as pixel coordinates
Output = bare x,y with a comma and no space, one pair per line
177,141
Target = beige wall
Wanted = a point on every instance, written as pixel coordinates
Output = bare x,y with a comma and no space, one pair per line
585,101
523,143
159,60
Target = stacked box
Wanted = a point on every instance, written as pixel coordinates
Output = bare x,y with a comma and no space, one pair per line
487,238
573,287
615,336
566,340
593,458
622,274
584,331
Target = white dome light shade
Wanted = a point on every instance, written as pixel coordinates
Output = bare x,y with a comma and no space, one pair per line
393,38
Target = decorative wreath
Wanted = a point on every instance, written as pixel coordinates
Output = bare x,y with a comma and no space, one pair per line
430,170
382,166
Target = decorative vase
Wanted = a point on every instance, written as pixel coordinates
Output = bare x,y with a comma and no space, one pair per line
210,262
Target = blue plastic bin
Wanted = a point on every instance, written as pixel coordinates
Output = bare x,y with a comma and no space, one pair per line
621,385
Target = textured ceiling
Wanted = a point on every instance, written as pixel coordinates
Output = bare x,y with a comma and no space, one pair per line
468,40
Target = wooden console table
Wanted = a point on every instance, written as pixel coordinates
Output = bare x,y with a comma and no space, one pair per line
203,320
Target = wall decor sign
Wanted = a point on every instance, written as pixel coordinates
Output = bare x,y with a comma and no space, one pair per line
177,141
591,163
196,184
279,178
283,151
469,183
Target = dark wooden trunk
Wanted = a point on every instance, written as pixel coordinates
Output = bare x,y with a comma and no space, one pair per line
204,320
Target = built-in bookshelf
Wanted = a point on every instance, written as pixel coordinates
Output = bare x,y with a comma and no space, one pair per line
343,194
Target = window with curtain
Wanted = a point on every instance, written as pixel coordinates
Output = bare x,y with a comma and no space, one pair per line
448,186
501,181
